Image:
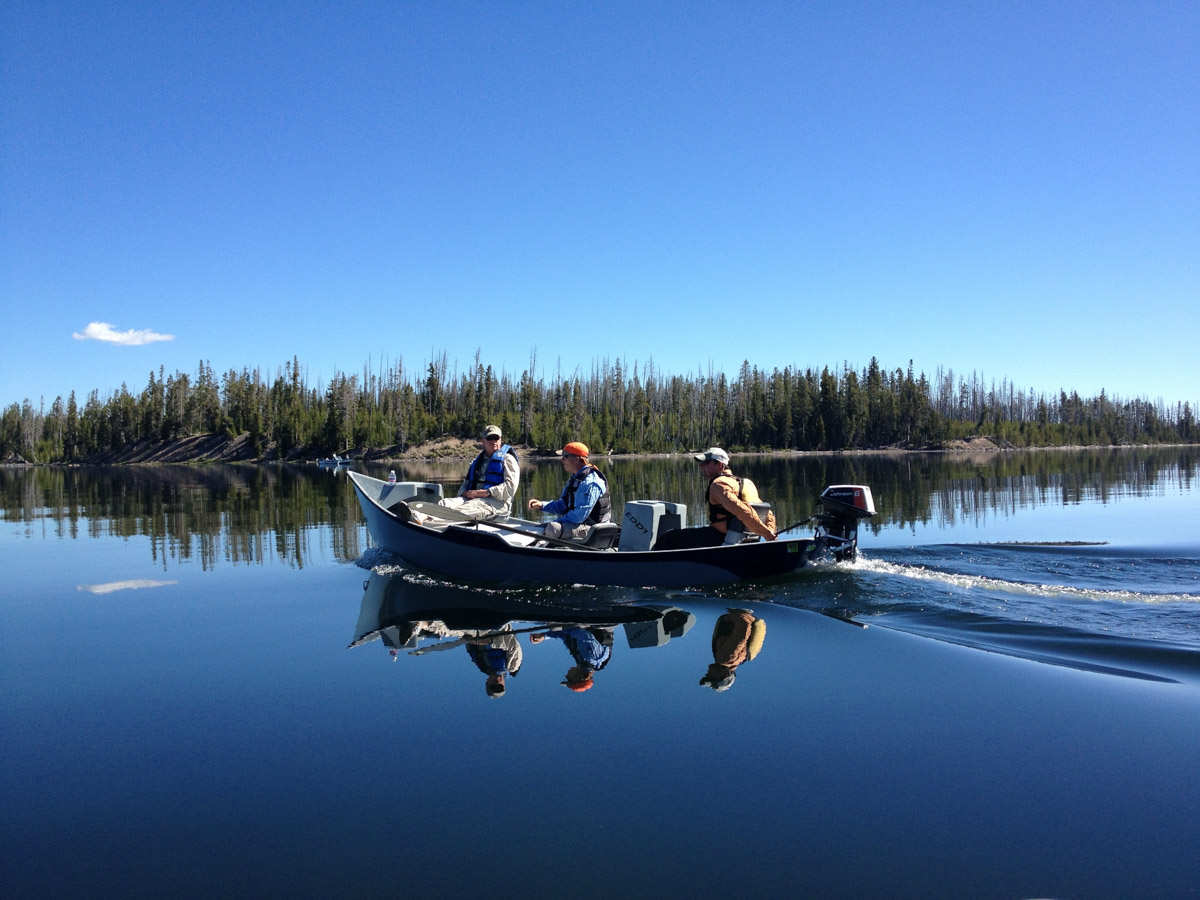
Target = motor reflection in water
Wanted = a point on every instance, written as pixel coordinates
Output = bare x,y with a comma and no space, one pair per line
408,614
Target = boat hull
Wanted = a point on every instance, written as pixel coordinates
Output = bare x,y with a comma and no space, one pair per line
479,554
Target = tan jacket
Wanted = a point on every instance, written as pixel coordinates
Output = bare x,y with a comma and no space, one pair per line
737,637
723,492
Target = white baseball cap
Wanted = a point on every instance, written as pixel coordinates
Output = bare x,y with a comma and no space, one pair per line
714,453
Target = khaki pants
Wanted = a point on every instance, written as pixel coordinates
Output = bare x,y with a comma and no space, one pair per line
479,510
563,531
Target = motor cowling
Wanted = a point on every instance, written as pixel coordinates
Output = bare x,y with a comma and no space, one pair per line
852,501
842,507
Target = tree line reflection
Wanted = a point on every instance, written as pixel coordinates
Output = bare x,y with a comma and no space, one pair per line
257,514
232,513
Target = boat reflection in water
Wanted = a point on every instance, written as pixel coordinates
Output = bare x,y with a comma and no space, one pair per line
407,613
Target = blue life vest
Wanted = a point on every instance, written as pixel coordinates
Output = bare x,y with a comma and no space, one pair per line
490,660
493,472
602,511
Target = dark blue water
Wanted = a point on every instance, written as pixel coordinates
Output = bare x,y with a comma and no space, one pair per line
213,684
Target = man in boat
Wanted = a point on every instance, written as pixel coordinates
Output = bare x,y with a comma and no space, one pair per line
737,637
491,483
729,509
590,648
497,654
585,500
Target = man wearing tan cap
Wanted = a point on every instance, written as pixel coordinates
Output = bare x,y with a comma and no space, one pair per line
491,483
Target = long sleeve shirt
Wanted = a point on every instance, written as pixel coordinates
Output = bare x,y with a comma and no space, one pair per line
590,490
500,495
723,492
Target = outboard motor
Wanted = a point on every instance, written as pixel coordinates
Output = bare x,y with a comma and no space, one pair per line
842,506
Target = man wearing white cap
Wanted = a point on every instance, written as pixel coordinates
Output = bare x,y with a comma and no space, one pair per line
729,508
491,483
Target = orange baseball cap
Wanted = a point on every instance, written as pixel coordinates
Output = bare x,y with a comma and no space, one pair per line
579,686
575,448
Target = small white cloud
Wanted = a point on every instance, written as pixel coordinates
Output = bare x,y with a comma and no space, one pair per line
102,331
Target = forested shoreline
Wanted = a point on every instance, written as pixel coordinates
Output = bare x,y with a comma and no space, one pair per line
615,407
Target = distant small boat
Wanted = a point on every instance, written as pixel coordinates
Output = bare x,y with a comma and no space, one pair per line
336,462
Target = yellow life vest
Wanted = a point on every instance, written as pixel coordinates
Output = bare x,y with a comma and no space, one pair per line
758,634
747,492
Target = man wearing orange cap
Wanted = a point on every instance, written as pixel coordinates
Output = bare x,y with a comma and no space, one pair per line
590,649
584,501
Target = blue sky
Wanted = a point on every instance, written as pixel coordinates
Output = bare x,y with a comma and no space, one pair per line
1006,188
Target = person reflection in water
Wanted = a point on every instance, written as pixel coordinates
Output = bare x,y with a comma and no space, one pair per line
397,637
737,638
497,655
591,648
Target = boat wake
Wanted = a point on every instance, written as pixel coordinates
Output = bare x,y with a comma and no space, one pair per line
965,581
1084,612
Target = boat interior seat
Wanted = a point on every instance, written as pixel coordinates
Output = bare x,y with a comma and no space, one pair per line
602,536
739,537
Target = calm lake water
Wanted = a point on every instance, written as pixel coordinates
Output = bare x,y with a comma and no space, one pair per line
214,684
